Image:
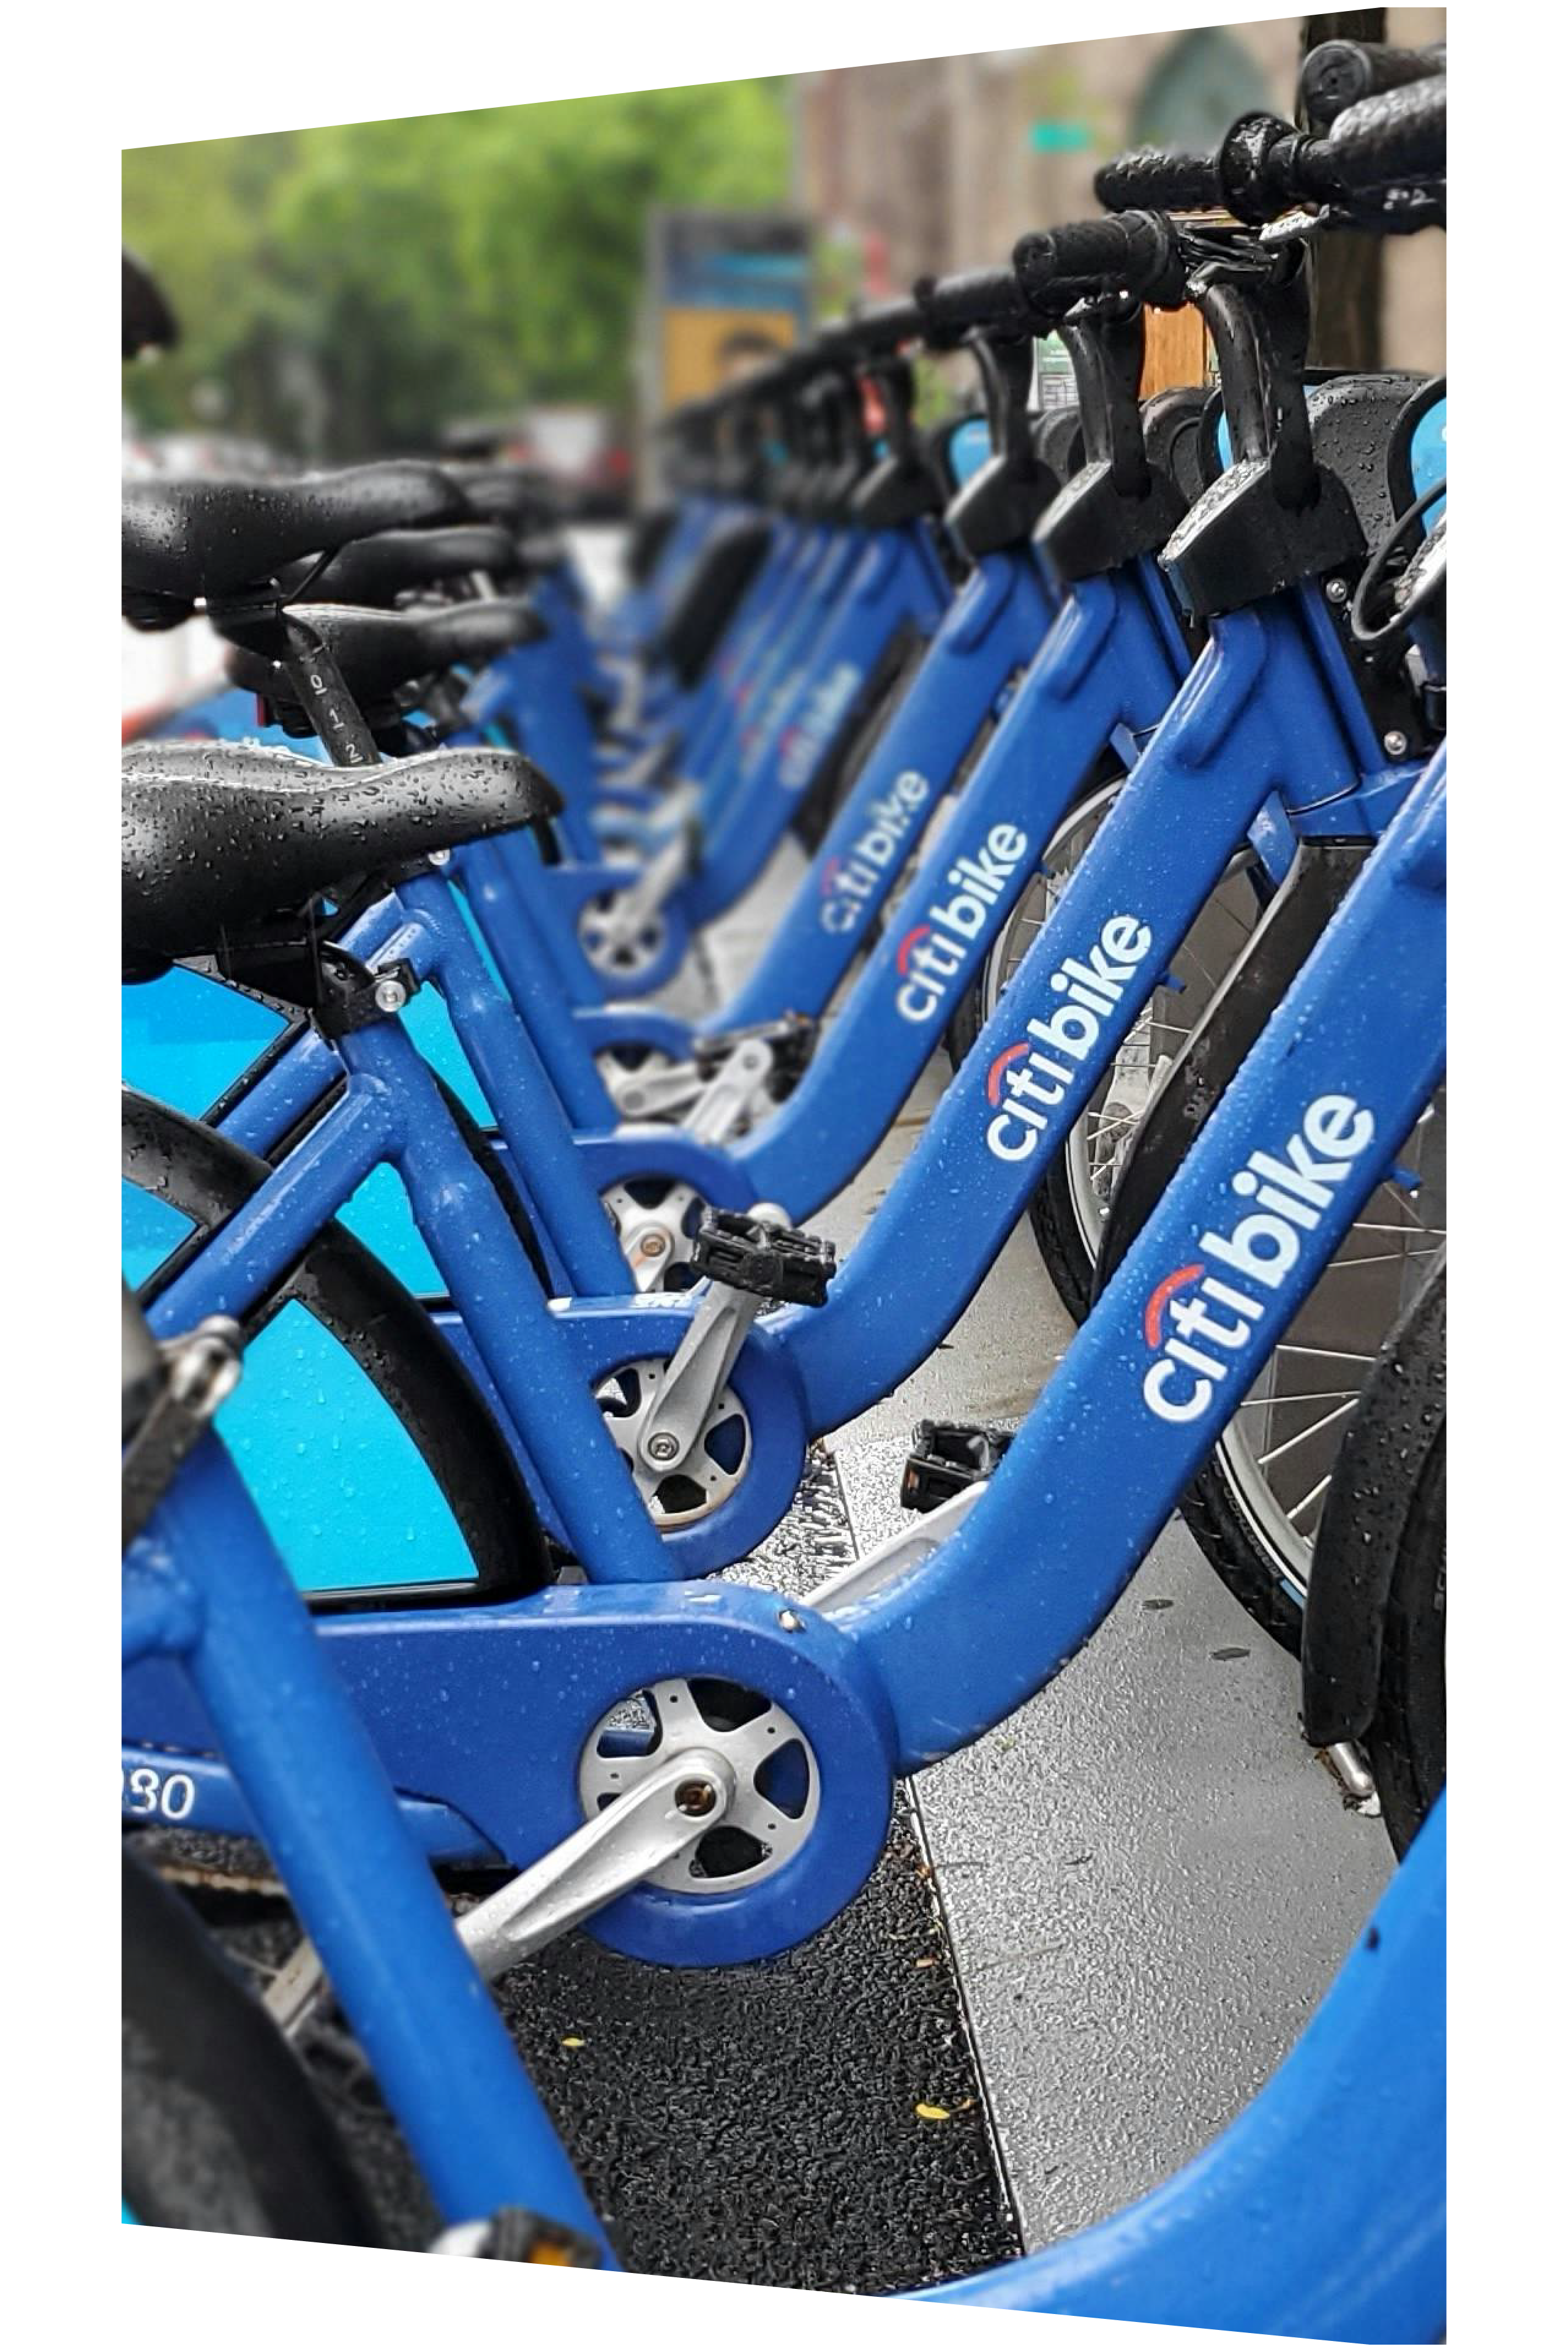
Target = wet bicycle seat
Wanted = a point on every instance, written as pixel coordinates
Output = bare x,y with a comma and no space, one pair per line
1173,428
503,494
146,322
215,537
1354,420
215,838
383,653
1058,441
378,571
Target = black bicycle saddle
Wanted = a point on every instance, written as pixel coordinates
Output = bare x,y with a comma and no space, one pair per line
1058,441
147,323
378,571
1354,418
214,537
218,836
503,494
1172,434
381,653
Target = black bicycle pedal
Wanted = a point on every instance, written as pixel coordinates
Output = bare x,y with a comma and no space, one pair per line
945,1458
774,1262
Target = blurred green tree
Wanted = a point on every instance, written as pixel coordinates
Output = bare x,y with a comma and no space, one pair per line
350,290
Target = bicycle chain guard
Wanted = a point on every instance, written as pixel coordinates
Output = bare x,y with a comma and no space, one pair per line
497,1717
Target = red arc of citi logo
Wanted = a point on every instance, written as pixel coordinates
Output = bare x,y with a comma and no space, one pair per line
1003,1062
1163,1292
908,943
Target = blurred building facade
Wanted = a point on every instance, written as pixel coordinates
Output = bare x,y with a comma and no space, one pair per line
939,164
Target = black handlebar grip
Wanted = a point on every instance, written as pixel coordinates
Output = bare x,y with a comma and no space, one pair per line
1134,253
1396,138
1337,74
881,327
1055,264
1152,180
970,297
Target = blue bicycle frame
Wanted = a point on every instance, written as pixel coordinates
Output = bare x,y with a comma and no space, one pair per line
1247,1225
1270,709
894,1671
205,1586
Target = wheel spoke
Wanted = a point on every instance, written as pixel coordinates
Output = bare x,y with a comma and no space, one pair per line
1324,1421
1330,1355
1297,1396
1381,1257
1307,1501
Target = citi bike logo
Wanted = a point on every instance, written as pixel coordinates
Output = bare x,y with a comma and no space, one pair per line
1197,1319
757,729
805,742
1026,1081
848,881
929,955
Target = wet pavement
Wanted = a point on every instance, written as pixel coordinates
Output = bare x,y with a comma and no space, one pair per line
1148,1878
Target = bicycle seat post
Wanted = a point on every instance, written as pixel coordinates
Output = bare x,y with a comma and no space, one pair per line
263,625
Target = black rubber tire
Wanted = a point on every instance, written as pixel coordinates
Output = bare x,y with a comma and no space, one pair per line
1224,1535
1054,1221
1407,1739
852,745
1384,1529
220,2126
386,1331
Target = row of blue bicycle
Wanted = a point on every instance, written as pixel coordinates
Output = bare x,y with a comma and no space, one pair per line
1114,733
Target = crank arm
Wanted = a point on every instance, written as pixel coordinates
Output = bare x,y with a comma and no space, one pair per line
637,1097
672,1805
731,1098
630,909
896,1557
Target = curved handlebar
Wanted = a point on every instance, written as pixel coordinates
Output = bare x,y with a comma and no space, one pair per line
1263,166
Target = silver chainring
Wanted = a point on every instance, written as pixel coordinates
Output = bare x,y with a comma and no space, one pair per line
680,1497
625,959
777,1786
653,1236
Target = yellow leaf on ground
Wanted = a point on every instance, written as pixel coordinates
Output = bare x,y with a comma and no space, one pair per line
930,2115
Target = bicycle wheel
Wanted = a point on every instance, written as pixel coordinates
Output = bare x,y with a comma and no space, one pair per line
1386,1514
220,2127
1058,857
413,1409
1254,1508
